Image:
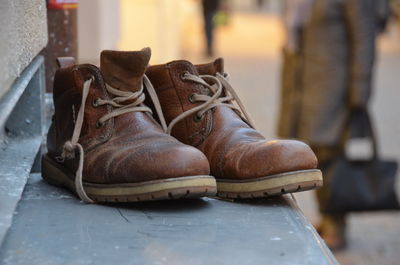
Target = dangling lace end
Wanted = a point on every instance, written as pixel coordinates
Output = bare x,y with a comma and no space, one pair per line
69,153
78,177
72,145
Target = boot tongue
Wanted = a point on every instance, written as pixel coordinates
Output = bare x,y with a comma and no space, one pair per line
211,68
124,70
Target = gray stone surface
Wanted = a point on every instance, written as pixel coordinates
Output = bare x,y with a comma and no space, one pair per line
23,33
20,137
53,227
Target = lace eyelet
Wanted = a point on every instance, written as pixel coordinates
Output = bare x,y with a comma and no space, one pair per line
191,98
197,118
183,75
95,103
99,124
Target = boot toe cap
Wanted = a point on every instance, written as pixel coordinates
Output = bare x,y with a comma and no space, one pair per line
172,161
289,155
152,161
181,161
265,158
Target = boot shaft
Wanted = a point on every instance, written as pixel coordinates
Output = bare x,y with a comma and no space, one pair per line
67,96
68,84
175,95
124,70
212,68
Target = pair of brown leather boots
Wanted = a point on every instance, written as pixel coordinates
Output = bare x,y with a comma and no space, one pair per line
116,138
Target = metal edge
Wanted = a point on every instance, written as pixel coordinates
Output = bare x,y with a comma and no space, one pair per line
7,104
11,97
291,199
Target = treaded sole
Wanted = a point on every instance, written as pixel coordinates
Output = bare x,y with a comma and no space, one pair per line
164,189
289,182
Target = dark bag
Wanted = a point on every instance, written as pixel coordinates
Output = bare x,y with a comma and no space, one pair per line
361,185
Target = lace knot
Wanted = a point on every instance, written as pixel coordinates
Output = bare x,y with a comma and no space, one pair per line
69,150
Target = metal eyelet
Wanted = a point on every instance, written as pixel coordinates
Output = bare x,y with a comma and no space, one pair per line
197,118
183,75
191,98
95,103
99,124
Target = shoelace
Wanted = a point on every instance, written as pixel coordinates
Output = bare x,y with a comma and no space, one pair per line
217,86
138,97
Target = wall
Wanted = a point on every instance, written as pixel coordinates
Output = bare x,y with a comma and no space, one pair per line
98,28
152,23
23,33
130,25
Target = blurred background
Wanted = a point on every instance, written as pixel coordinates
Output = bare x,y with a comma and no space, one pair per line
250,36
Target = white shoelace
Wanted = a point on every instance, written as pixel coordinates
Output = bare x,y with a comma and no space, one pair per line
219,84
138,98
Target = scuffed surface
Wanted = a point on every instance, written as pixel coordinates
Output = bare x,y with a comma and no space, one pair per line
23,34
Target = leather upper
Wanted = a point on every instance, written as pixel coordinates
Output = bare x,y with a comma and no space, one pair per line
233,148
173,93
131,147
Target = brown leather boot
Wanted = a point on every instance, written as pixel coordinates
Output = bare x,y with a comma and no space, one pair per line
197,102
105,145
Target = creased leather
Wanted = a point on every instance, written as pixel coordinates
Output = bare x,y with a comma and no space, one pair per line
233,149
175,95
129,148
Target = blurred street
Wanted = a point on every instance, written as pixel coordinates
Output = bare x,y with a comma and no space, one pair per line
251,45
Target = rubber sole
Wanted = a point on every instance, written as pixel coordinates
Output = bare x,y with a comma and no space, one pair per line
164,189
273,185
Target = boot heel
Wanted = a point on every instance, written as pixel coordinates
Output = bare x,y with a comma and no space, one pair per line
52,174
